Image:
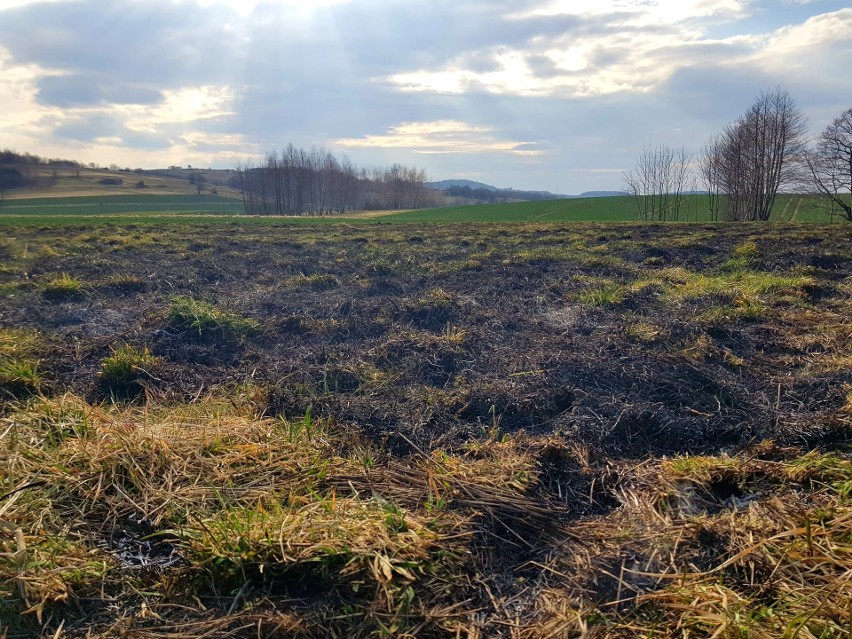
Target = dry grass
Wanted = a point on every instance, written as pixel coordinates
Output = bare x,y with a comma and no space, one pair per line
109,503
199,520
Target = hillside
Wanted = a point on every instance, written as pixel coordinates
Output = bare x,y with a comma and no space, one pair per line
63,182
443,185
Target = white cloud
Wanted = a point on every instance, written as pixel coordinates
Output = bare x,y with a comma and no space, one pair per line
20,122
189,104
818,31
635,47
11,4
441,136
642,12
581,66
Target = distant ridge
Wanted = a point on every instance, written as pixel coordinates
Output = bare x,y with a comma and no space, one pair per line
599,194
469,188
443,185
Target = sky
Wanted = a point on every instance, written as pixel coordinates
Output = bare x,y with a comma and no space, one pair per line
557,95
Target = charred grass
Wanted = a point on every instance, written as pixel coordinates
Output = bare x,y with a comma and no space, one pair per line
471,431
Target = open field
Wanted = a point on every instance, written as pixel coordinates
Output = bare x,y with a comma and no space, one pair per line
150,207
213,429
121,205
603,209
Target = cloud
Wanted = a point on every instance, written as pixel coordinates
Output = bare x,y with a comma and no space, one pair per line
641,14
610,47
88,90
543,93
442,136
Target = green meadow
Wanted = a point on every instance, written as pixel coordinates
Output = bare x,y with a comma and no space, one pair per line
120,205
148,208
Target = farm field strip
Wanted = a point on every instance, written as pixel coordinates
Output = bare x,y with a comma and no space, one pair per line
604,209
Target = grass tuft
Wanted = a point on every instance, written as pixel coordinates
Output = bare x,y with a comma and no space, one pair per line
317,281
607,295
62,287
207,319
19,377
121,371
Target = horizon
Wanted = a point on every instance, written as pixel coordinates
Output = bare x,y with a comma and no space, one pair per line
535,95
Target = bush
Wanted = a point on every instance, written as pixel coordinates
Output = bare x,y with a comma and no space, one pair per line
111,181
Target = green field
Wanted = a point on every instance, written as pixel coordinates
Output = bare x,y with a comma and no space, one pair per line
603,209
185,208
121,205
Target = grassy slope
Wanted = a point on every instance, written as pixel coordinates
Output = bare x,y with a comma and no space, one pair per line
64,182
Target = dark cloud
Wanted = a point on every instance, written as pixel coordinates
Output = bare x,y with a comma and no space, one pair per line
93,126
82,91
89,127
160,44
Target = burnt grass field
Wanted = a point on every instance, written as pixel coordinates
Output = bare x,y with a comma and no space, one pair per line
218,430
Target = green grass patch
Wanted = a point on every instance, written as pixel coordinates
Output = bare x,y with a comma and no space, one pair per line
122,204
607,295
125,365
317,281
744,285
62,287
208,319
19,377
147,209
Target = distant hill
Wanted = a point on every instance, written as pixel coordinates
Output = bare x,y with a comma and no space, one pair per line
443,185
599,194
479,192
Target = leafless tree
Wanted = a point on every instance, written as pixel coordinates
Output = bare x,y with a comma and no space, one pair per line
299,182
757,155
710,168
658,183
830,164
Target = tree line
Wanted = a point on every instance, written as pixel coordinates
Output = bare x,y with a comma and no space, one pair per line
742,169
498,195
300,182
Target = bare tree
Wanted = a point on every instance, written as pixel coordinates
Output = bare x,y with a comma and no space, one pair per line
297,182
830,164
658,182
710,168
758,154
